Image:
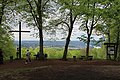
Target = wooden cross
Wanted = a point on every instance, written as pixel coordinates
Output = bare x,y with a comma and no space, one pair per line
19,31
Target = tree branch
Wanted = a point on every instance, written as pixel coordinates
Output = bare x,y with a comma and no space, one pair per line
36,2
74,19
86,23
64,23
87,26
45,4
93,18
95,22
33,13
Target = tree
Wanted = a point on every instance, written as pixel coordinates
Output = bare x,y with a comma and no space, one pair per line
115,34
34,13
6,42
110,26
91,17
37,15
67,19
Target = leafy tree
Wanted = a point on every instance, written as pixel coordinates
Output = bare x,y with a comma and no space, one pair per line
67,19
35,13
6,42
110,26
91,17
115,9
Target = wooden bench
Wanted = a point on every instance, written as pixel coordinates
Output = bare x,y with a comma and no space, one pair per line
11,58
74,58
90,57
84,58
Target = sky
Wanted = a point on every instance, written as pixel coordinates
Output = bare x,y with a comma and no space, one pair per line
27,36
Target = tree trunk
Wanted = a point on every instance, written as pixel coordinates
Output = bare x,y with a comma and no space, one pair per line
40,27
117,47
108,36
88,44
67,44
0,19
41,54
41,41
118,51
69,35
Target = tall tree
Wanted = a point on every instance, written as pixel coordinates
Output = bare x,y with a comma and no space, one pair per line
68,19
110,27
6,42
35,13
114,8
40,11
91,17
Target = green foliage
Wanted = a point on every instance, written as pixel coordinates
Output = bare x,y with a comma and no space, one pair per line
6,43
54,53
98,53
72,52
100,15
57,53
83,38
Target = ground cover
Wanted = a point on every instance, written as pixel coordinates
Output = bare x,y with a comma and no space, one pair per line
60,70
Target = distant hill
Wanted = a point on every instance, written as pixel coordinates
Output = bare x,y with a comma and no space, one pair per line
60,44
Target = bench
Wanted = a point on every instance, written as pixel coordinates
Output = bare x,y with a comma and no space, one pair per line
11,58
84,58
74,58
90,57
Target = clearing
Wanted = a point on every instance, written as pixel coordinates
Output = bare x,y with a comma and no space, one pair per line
60,70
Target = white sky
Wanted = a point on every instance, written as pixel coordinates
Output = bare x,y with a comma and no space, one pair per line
27,36
24,36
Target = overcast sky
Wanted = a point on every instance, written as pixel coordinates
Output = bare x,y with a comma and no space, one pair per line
27,36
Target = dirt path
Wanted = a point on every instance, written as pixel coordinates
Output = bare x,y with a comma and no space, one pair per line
60,70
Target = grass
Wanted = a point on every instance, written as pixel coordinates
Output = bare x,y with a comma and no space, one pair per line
57,53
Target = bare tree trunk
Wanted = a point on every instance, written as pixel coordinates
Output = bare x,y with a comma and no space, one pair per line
117,47
108,36
67,44
40,27
88,45
41,41
41,45
0,19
